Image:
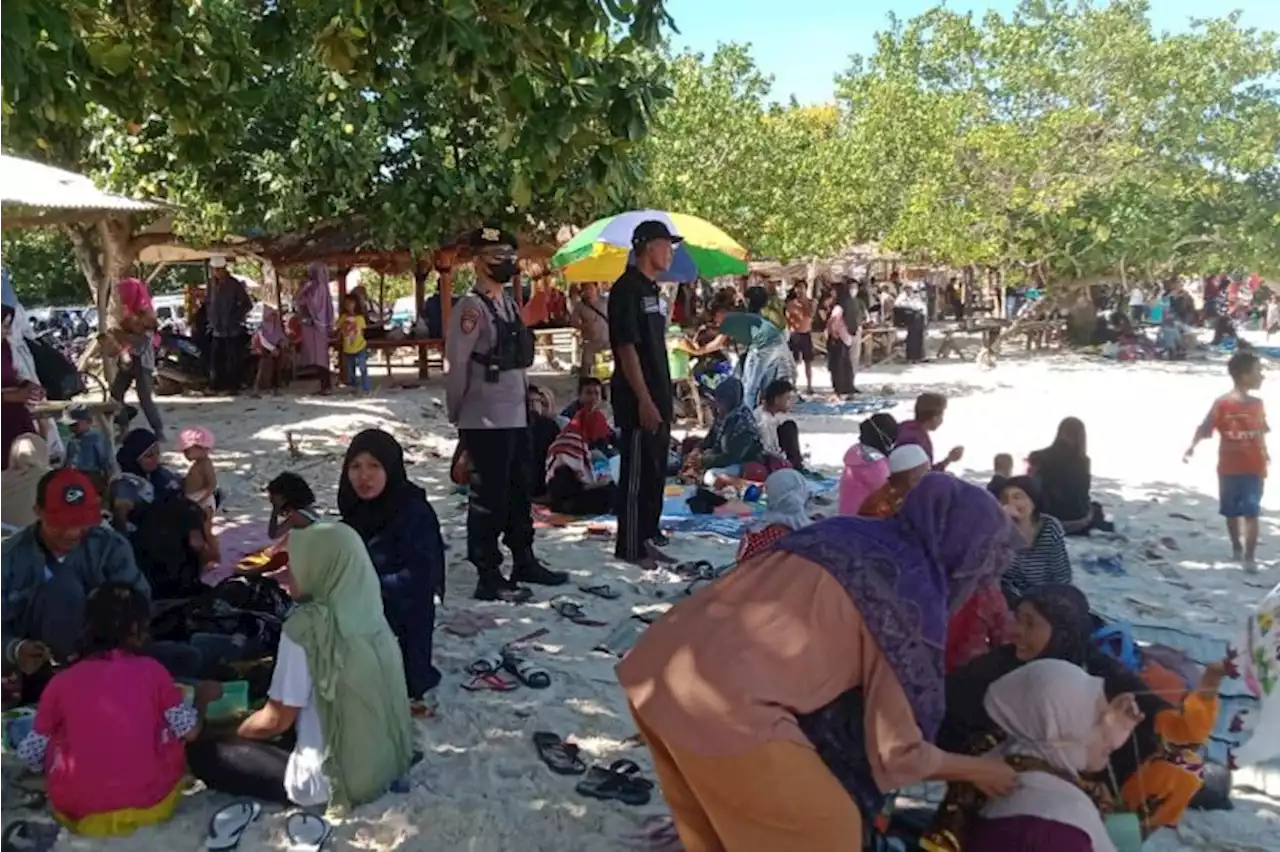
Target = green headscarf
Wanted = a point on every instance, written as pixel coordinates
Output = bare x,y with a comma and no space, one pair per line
354,659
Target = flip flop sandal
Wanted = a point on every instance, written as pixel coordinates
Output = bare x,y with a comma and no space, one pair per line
530,674
425,707
24,836
697,583
229,824
575,613
621,781
604,590
489,683
489,664
694,570
307,832
561,757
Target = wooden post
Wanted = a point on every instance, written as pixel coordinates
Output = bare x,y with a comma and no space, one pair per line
419,296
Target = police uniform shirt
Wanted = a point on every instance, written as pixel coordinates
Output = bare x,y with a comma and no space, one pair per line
637,318
472,402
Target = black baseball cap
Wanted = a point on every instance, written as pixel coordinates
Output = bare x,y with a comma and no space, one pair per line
492,235
650,230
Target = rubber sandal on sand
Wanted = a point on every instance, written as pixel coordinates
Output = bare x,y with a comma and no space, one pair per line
229,824
24,836
561,757
307,832
488,664
620,781
604,590
530,674
490,683
574,612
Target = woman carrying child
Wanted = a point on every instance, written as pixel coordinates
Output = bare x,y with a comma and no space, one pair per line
109,728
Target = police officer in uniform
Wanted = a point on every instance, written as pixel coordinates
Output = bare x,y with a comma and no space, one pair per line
487,351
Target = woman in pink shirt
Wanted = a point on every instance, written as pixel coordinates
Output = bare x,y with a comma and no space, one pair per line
109,730
866,465
136,334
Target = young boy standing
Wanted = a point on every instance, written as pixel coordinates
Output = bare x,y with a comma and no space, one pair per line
1241,423
88,450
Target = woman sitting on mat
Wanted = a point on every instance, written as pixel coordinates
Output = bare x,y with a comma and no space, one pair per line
787,493
572,485
1063,469
778,429
835,691
1157,771
398,525
908,465
336,727
109,729
1044,560
866,464
1055,723
733,447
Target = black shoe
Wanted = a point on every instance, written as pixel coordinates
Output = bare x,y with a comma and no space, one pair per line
660,540
500,589
533,571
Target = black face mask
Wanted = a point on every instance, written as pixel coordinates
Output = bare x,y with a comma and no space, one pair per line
503,270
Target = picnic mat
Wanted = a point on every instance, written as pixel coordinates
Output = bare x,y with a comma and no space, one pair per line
861,405
1269,351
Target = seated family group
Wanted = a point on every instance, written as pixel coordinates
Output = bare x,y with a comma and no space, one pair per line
930,631
103,635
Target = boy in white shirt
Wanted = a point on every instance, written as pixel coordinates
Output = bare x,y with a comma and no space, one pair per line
778,431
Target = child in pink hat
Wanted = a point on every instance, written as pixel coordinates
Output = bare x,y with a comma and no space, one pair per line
201,482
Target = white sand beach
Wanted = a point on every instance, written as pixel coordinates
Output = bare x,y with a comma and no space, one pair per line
481,787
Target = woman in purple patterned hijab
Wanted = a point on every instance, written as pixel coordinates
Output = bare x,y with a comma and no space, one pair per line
781,702
315,311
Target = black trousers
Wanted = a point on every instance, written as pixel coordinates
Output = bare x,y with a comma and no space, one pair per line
568,496
499,504
240,767
789,441
840,363
227,366
642,480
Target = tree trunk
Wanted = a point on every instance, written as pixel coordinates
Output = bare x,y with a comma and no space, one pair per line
105,251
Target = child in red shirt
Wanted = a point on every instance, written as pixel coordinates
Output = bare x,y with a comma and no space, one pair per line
1241,422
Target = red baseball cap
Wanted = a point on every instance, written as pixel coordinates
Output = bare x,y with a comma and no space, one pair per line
68,499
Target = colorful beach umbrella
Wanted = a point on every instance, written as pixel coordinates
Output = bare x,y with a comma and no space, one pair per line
601,250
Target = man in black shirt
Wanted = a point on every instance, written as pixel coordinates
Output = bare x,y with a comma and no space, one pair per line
641,386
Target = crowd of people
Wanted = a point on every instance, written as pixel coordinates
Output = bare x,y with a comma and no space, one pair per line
928,630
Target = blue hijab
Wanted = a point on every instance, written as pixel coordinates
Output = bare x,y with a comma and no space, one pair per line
906,575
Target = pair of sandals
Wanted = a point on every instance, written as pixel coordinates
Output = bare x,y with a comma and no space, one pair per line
487,673
619,781
305,832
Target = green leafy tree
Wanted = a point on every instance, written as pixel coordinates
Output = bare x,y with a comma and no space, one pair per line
412,120
769,175
43,267
1070,142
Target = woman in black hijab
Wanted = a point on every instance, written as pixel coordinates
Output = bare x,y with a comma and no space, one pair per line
401,530
842,331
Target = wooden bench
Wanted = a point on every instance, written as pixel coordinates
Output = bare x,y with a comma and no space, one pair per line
429,349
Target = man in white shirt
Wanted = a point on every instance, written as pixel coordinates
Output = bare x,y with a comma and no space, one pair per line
1137,304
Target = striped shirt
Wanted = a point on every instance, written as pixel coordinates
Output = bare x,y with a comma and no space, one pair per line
1045,561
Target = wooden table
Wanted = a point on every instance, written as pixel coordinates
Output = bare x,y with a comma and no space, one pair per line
885,338
427,347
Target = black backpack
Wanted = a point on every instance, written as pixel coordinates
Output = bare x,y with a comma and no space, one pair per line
57,373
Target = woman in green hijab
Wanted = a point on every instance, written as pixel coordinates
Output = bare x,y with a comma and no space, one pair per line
336,727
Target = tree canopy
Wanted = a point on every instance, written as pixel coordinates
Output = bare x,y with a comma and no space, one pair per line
1071,141
768,174
420,119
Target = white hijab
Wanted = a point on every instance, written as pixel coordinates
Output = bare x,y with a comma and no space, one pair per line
786,493
1053,710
